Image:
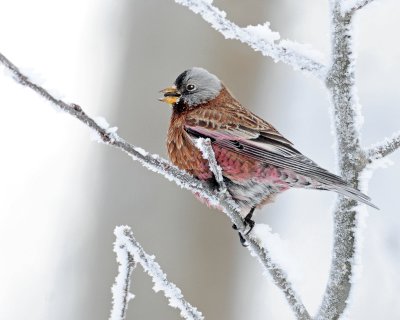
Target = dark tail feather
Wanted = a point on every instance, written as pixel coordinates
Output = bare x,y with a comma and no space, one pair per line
354,194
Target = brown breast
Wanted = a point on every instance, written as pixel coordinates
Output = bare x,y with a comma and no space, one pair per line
181,150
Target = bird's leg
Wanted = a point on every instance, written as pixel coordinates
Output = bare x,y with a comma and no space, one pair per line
247,222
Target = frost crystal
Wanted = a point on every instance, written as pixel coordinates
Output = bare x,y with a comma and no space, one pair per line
264,32
127,242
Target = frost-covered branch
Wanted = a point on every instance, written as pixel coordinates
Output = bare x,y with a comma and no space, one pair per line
120,290
351,160
353,5
260,38
255,241
127,242
204,145
384,148
172,173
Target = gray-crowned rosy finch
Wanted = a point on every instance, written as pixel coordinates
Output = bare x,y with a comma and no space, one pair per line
257,162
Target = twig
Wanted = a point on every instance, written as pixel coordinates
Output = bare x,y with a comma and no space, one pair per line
174,295
385,147
350,6
204,145
278,275
285,51
120,290
180,177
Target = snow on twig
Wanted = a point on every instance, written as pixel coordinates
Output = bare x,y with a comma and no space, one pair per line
204,145
172,173
259,38
125,238
353,5
385,147
120,289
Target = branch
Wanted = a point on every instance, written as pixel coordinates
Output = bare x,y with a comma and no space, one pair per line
255,244
204,145
174,295
120,289
350,6
346,113
384,148
260,38
172,173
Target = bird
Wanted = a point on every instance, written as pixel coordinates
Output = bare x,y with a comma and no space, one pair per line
257,162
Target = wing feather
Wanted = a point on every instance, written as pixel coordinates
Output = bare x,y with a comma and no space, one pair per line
258,140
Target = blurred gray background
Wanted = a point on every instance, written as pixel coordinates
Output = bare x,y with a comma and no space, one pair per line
62,194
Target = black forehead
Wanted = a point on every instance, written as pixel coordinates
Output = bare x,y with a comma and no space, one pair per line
181,77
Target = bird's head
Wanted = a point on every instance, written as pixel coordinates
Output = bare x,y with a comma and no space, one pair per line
193,87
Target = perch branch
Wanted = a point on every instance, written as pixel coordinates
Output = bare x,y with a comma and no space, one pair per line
276,272
174,295
120,289
286,51
180,177
204,145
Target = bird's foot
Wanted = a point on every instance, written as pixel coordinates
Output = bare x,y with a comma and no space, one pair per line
249,225
242,240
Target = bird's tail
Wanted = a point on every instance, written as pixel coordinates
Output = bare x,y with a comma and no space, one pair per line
352,193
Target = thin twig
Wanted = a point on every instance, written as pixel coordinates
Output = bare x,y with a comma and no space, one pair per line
384,148
285,51
349,6
278,275
120,289
174,295
204,145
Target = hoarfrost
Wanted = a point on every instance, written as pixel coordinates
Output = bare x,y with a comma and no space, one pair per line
174,295
120,289
263,31
278,249
103,124
304,49
259,38
349,5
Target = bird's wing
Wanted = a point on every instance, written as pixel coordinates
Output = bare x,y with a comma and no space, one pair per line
241,131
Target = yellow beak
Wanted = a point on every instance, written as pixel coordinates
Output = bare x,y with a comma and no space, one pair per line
171,95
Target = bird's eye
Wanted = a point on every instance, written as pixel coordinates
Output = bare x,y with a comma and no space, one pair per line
191,87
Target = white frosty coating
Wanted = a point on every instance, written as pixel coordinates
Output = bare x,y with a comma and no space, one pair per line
385,147
174,295
254,38
304,49
366,174
39,79
120,289
204,145
349,5
278,249
102,123
263,31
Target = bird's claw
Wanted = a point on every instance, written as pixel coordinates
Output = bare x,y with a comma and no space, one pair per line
249,225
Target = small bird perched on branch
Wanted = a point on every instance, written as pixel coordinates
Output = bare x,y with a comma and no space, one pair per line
257,162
